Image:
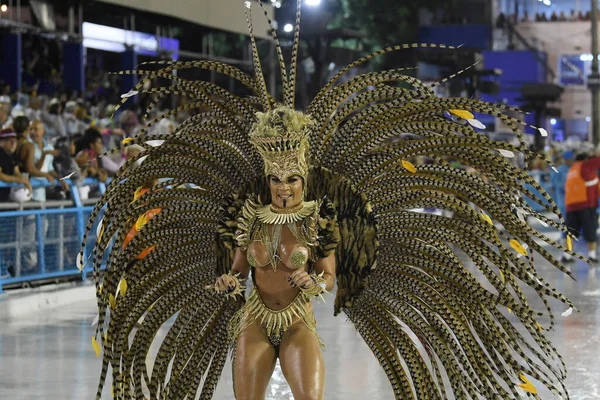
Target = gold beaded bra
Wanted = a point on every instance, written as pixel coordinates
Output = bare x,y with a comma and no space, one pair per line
267,226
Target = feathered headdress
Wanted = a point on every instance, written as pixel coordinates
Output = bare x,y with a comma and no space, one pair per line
281,138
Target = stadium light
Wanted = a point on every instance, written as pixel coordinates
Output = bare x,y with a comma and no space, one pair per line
4,8
288,28
313,2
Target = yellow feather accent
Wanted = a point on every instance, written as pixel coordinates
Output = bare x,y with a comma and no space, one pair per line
509,310
487,218
463,114
518,247
123,287
502,276
527,385
112,301
409,166
100,289
96,346
569,243
136,194
141,221
540,327
127,140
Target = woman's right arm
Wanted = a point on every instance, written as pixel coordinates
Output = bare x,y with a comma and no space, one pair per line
9,178
82,158
240,266
240,263
31,167
23,180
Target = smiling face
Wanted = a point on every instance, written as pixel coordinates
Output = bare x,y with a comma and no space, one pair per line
36,131
9,145
287,193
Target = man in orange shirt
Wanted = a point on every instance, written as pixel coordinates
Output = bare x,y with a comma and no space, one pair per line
581,200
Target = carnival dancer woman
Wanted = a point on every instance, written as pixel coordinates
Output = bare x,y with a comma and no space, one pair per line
279,241
250,188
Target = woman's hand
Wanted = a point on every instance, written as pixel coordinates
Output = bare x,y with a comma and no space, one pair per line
51,179
300,278
229,285
102,176
65,185
28,186
226,283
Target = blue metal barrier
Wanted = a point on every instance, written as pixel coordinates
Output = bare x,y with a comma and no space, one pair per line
42,243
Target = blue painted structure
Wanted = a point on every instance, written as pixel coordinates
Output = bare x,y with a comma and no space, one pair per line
54,248
73,66
128,62
469,36
518,67
11,62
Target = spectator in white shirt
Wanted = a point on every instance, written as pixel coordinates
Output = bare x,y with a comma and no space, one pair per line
54,120
42,155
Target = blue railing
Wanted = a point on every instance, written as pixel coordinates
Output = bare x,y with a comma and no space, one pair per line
38,242
42,243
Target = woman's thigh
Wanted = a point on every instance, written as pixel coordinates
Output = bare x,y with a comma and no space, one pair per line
302,363
254,364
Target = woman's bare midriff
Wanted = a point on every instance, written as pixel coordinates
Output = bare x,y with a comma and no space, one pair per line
273,287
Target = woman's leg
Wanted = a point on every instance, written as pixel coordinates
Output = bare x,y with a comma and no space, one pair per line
302,362
254,363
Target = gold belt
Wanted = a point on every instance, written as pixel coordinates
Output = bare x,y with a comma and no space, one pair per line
276,322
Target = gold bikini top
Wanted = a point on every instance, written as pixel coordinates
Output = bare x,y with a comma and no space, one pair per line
293,256
260,229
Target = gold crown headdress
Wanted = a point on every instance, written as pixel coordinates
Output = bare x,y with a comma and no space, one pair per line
281,138
280,134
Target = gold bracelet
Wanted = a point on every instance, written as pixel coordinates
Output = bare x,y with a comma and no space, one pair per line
318,288
239,289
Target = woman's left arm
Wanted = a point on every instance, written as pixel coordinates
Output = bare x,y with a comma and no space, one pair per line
327,267
300,278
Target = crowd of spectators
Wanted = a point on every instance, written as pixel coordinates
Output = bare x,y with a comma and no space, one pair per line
58,132
49,137
553,16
